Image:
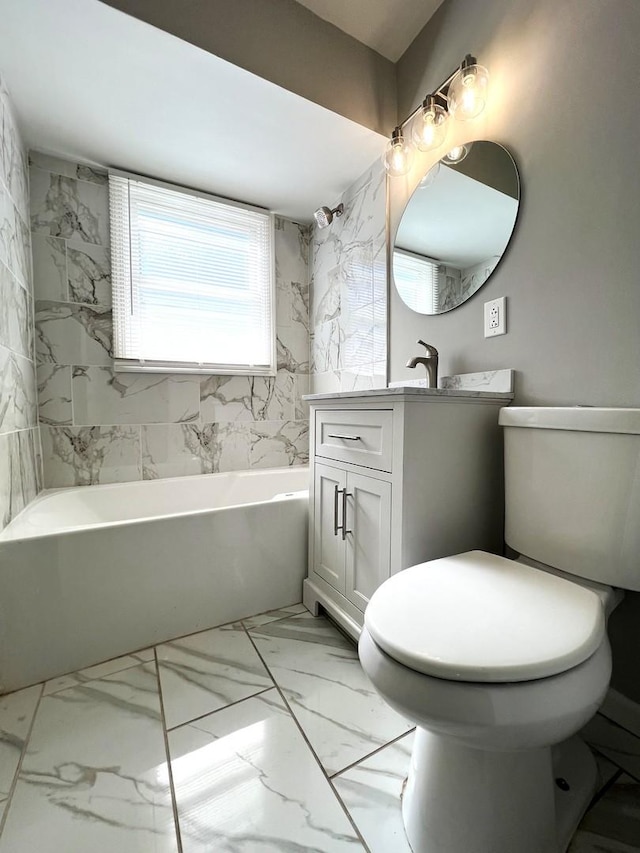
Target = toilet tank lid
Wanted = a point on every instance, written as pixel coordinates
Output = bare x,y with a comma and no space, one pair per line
480,617
577,418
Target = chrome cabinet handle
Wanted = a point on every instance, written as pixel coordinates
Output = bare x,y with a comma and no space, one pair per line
343,528
344,437
335,510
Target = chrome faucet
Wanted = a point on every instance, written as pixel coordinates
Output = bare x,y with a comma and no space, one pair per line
430,361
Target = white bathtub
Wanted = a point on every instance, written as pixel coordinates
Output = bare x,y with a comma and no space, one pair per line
90,573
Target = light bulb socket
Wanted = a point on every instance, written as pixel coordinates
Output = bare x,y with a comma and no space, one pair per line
431,102
397,136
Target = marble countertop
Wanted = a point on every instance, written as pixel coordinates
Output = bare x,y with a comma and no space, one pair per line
486,385
412,393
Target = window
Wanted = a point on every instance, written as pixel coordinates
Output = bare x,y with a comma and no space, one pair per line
418,280
193,281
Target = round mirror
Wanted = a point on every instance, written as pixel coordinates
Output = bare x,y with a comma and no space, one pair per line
455,228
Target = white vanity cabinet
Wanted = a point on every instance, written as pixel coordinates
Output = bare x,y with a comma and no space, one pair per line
399,476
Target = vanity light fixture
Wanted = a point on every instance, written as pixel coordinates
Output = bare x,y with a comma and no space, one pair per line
463,96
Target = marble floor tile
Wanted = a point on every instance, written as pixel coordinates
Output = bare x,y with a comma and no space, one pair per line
94,775
612,825
246,782
318,670
100,670
615,743
273,615
371,792
206,671
16,715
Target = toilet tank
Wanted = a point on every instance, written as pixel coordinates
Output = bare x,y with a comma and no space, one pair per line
572,490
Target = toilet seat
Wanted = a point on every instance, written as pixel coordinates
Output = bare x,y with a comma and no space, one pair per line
483,618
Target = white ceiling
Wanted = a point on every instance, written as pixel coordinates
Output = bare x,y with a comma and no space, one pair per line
91,83
387,26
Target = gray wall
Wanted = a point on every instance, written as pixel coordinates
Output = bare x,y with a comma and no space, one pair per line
563,102
20,467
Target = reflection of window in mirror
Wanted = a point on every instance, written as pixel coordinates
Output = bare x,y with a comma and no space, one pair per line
418,279
460,223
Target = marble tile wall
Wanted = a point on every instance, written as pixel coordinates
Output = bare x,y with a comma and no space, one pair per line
348,313
20,464
98,426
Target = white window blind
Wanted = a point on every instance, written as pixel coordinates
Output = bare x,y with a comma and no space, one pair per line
418,280
193,283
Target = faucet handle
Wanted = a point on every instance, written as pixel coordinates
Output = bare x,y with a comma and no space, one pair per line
431,350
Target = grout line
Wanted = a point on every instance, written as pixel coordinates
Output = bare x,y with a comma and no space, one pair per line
311,749
371,754
605,788
172,789
216,710
618,725
16,775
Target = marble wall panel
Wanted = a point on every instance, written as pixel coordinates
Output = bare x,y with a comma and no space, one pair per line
277,444
20,457
349,290
15,243
185,424
17,392
49,268
54,394
67,333
16,320
20,472
248,398
69,208
102,396
84,456
13,160
89,273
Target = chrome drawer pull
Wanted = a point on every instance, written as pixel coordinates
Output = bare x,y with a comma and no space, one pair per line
335,510
344,437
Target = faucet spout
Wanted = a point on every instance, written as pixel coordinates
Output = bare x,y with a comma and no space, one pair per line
430,362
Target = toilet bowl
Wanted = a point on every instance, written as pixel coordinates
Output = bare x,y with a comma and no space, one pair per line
490,694
500,662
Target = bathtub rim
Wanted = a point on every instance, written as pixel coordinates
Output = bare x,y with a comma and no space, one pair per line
104,525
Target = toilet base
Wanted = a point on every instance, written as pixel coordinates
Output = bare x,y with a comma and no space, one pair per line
459,799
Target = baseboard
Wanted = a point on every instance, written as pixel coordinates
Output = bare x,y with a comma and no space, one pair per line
622,710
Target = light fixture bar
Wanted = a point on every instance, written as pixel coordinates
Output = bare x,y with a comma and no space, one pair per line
442,89
462,96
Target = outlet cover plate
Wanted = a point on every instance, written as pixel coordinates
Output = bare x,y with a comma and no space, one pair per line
495,317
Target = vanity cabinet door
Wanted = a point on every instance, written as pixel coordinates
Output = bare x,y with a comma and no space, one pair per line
368,540
328,545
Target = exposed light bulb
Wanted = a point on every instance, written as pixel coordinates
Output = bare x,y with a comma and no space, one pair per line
467,95
457,154
398,156
429,128
430,177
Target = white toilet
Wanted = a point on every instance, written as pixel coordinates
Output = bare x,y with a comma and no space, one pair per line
500,662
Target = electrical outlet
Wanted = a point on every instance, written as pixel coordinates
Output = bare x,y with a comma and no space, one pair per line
495,317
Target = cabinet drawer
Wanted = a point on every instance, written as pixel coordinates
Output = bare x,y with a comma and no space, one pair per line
363,437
